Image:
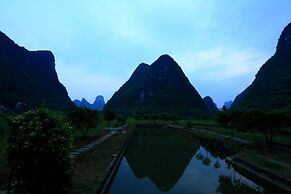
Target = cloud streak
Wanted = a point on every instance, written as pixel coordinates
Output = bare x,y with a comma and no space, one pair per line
222,63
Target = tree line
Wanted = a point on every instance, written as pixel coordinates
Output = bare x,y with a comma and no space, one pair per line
269,123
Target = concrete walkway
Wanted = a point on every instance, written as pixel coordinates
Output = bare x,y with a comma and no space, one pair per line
92,145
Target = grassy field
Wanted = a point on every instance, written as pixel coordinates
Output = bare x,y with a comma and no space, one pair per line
282,137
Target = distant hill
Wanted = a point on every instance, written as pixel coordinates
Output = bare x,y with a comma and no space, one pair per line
29,77
228,104
97,105
271,88
161,87
82,103
210,105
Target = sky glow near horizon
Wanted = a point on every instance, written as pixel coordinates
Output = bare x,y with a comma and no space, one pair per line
220,45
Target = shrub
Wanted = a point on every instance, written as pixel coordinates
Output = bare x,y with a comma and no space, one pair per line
109,115
39,151
83,119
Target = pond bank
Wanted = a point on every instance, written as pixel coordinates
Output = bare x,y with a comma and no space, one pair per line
266,176
160,160
92,167
112,169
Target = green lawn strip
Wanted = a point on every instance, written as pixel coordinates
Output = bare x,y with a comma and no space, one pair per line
92,167
254,137
274,166
199,122
265,162
92,136
217,144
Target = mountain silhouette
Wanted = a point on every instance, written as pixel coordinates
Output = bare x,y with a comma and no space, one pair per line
271,88
210,105
29,77
98,104
161,87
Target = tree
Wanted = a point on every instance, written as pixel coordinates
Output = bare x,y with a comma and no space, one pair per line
223,117
230,185
83,119
268,123
39,151
109,115
275,121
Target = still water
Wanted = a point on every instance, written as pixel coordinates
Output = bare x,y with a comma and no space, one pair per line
165,161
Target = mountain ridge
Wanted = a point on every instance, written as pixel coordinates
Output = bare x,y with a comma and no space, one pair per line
98,104
161,87
29,77
271,88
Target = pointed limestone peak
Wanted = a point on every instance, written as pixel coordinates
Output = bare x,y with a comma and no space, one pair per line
140,70
165,60
84,100
210,104
284,43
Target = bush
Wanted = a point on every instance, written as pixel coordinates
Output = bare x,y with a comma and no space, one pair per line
39,152
4,127
4,134
256,120
109,115
83,119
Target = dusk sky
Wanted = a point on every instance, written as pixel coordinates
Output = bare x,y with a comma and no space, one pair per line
220,44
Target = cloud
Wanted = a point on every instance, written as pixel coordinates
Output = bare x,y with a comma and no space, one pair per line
222,63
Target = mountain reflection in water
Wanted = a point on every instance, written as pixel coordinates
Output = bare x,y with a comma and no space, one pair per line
166,161
160,155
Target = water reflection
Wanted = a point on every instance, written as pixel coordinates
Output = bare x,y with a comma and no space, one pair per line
160,155
163,161
230,185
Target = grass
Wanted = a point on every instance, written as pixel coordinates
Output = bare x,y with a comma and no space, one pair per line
92,167
265,162
199,122
253,137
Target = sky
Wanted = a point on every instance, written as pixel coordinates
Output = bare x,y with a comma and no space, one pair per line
97,44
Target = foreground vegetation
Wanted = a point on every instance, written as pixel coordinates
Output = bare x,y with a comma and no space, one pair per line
38,143
43,134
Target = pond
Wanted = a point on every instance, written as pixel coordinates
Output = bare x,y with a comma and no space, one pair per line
166,161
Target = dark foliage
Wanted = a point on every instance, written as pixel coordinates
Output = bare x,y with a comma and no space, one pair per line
256,120
39,154
83,119
109,115
230,185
